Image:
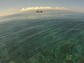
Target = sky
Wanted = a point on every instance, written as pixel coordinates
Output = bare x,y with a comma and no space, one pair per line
12,6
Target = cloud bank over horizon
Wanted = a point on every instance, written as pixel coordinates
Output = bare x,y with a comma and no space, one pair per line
43,8
17,10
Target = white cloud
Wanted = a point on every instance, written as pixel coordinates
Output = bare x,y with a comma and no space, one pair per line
43,8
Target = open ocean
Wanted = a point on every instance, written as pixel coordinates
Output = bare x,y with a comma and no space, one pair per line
51,37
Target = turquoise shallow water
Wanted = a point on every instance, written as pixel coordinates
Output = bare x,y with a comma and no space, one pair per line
55,37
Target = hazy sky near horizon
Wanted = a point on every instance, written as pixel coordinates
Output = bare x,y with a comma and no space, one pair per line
9,6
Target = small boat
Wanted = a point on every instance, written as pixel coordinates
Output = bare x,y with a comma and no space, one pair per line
39,11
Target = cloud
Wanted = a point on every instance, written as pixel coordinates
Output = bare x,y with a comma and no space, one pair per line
43,8
17,10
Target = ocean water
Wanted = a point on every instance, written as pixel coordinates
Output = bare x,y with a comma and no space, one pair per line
52,37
